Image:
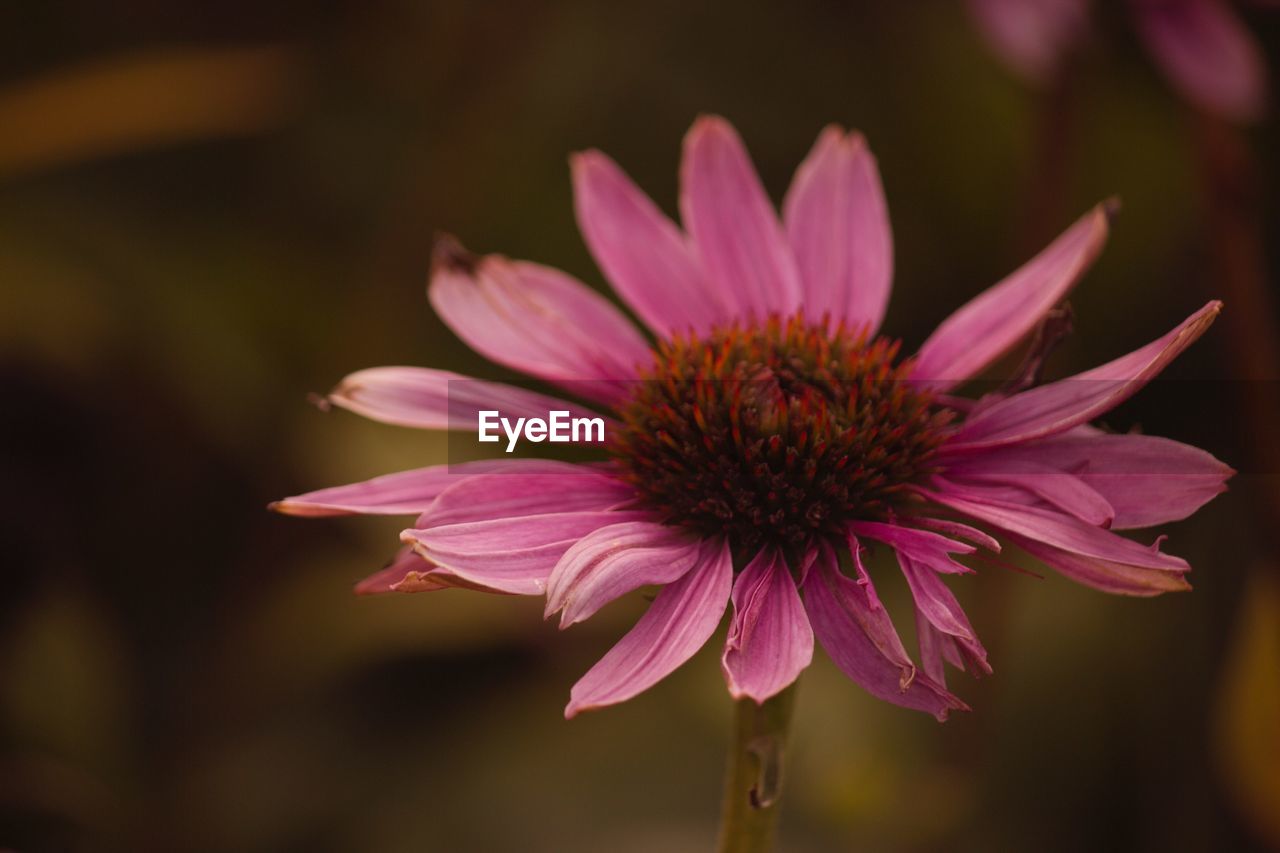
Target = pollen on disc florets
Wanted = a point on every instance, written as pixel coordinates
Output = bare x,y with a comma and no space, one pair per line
776,433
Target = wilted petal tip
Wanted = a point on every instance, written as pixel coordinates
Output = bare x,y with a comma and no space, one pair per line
709,124
342,391
574,708
586,158
448,254
857,143
956,705
831,131
567,618
288,507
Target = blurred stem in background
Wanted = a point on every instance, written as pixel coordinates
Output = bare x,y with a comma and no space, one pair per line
753,778
1248,699
1231,185
1054,129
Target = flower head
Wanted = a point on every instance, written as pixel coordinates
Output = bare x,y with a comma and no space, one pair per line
768,435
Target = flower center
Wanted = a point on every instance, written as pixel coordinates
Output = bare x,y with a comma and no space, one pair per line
776,433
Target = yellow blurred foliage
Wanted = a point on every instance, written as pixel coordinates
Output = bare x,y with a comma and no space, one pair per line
141,101
1248,714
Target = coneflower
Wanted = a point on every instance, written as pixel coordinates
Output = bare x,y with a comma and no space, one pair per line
766,435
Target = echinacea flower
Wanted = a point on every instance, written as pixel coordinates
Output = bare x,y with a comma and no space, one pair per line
767,436
1201,46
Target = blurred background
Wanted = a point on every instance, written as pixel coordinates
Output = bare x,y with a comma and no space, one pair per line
208,210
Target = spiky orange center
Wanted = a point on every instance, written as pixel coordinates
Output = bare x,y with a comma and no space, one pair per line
776,433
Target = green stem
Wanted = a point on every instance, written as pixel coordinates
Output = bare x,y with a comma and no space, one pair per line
753,779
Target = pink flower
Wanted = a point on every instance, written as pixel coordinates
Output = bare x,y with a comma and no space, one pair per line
1200,45
768,437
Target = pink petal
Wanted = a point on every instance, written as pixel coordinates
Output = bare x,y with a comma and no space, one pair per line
402,493
537,320
939,608
937,647
990,324
934,649
860,639
1067,492
1106,575
545,487
407,572
838,226
640,250
770,641
680,620
1146,479
1207,54
734,228
955,530
614,561
932,549
509,554
437,399
1055,529
1032,36
1059,406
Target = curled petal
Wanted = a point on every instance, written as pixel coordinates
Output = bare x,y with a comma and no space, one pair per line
1148,480
770,641
437,399
733,225
1059,406
989,325
640,250
680,620
1110,576
952,634
614,561
859,637
934,649
937,647
838,226
1145,479
407,572
1055,529
512,555
932,549
956,530
1067,492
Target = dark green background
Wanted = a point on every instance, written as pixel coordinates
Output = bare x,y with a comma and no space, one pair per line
180,669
